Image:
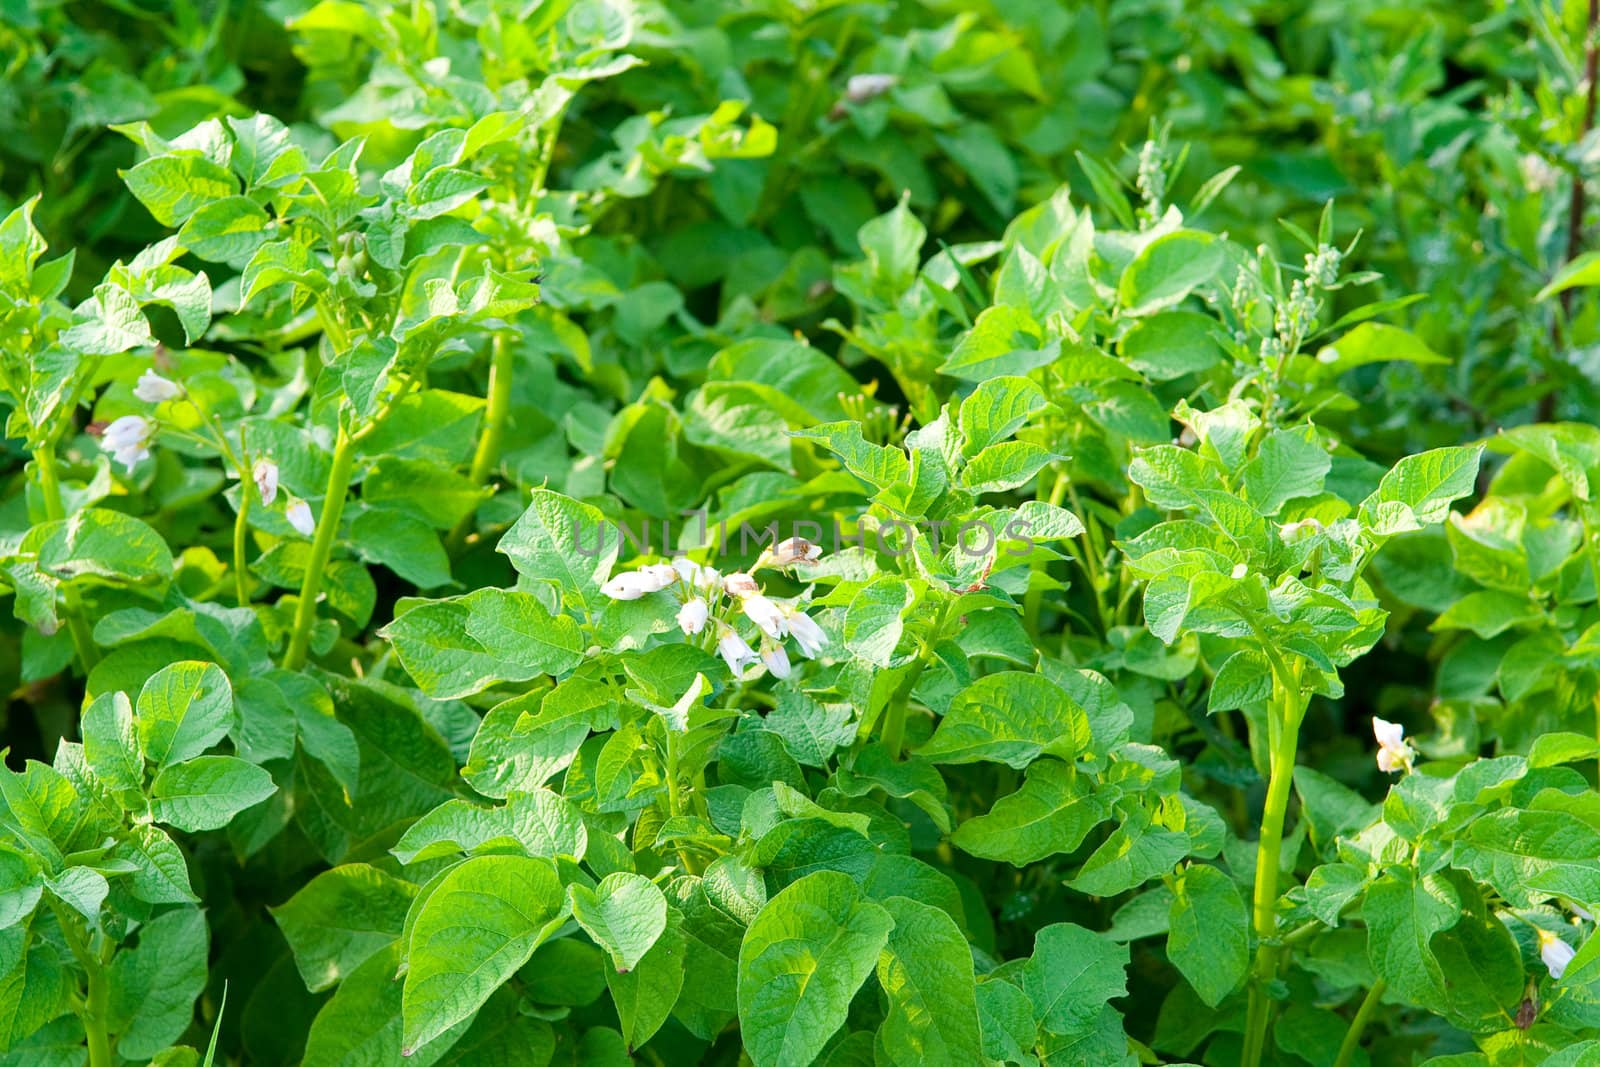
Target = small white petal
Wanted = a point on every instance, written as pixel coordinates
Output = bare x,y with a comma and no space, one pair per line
1390,735
736,653
152,388
1388,762
266,478
740,584
659,575
1555,952
767,615
863,87
777,660
128,440
793,551
692,616
626,586
807,634
299,515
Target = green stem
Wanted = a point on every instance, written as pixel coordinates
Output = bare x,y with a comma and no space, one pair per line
77,626
94,1016
1284,716
93,1013
241,533
893,735
305,614
1352,1036
487,455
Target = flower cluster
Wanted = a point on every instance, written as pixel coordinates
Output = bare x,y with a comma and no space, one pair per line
128,440
710,601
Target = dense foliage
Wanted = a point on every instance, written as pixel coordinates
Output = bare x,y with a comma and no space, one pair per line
590,531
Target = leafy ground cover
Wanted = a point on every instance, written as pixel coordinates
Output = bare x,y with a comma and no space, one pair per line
599,532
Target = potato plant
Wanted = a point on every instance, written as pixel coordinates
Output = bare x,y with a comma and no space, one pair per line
591,532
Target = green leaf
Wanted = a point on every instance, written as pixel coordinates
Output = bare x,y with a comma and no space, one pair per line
111,742
360,1025
1003,341
1402,914
207,792
645,994
561,541
1072,974
624,914
154,984
172,187
462,645
1418,491
32,993
1288,464
1529,856
1171,344
1583,270
480,924
97,543
1209,936
340,918
875,620
1011,717
1052,813
926,972
1375,342
1167,270
800,964
184,709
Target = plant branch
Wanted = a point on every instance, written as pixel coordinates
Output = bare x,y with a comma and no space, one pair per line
305,614
487,456
1352,1037
1284,715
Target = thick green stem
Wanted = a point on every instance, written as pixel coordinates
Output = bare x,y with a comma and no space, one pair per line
1352,1036
77,626
1284,716
95,1013
487,456
241,533
305,614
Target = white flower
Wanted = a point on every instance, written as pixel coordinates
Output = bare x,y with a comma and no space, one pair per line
740,584
128,439
692,616
659,575
152,388
1240,570
793,551
266,476
1393,752
1555,952
863,87
299,515
631,585
767,615
1580,911
776,659
806,633
697,575
735,652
